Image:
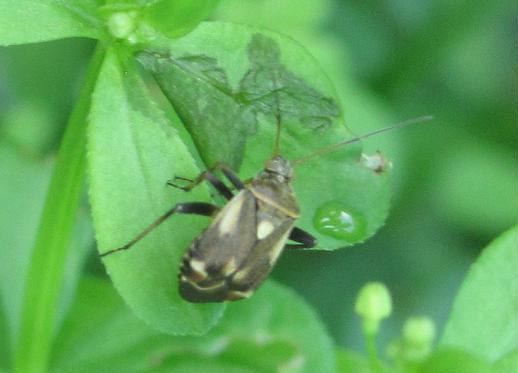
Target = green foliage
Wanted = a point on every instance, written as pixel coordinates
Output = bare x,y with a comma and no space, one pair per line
28,178
347,361
132,152
49,20
458,361
185,15
239,77
261,335
508,363
224,86
24,198
466,163
481,328
46,268
4,339
484,319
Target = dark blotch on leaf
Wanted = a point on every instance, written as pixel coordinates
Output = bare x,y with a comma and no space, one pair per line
219,117
200,93
270,88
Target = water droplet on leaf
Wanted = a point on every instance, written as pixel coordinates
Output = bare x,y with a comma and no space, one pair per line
336,220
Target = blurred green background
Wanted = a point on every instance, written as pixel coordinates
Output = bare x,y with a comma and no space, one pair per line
455,179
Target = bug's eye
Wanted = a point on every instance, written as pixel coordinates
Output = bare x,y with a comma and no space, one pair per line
279,166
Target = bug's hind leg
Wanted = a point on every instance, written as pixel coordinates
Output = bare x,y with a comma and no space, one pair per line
304,239
213,179
198,208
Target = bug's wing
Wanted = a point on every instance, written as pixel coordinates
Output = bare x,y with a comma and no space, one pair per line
219,251
259,263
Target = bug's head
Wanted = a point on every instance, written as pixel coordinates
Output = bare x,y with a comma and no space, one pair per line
279,166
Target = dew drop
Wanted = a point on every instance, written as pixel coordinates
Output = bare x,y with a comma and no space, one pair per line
336,220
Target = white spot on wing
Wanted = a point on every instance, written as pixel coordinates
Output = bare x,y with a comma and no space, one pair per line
217,285
236,294
229,267
230,214
240,276
277,249
198,266
264,228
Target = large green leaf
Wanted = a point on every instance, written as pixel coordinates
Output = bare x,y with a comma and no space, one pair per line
32,21
4,338
23,186
454,361
132,152
484,320
227,82
351,362
22,198
507,364
277,314
177,17
485,205
275,331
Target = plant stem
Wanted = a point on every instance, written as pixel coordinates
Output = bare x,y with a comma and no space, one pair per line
45,273
370,342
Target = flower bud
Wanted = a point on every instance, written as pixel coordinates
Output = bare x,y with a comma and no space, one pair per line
419,331
122,24
373,304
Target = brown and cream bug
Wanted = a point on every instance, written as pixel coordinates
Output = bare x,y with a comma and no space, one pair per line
237,251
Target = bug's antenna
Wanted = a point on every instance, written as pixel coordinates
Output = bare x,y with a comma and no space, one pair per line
276,144
331,148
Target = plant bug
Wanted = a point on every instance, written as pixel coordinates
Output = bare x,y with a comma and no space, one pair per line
237,251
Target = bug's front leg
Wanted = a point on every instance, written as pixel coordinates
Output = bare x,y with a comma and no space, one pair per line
304,239
212,179
197,208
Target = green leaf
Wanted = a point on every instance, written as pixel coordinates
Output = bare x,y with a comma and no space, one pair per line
228,83
276,313
287,16
266,356
177,17
46,269
22,200
211,120
32,21
5,346
133,152
274,331
484,205
454,361
484,320
507,364
205,366
268,87
101,334
351,362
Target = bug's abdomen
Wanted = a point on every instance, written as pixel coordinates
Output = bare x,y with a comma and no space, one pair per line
219,252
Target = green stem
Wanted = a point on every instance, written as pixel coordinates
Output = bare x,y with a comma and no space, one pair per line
45,273
370,342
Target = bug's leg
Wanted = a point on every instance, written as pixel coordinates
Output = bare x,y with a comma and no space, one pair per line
211,178
230,175
304,239
198,208
171,182
206,175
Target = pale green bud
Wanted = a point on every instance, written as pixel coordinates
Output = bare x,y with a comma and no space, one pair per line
373,304
122,24
419,331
